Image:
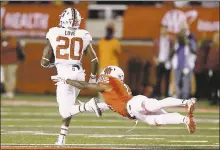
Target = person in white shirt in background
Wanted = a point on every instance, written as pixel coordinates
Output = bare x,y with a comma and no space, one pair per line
183,61
162,60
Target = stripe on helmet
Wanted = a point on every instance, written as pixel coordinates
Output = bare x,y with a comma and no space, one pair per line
74,16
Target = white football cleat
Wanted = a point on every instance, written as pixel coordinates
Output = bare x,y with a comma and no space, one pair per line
191,105
9,95
61,140
94,106
190,123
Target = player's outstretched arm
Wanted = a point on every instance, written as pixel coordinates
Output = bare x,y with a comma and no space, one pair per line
89,86
94,62
48,56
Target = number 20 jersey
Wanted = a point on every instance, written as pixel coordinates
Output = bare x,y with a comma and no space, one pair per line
68,45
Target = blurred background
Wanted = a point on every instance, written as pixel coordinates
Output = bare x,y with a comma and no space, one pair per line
165,48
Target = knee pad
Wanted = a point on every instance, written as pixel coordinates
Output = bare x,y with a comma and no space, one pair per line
64,111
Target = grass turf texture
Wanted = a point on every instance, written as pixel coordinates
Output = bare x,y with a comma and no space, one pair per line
32,124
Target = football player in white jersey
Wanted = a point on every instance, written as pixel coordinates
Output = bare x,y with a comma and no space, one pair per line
67,44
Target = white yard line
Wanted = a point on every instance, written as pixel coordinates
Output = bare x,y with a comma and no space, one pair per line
173,141
104,127
145,138
56,119
54,114
147,145
12,111
53,103
40,114
106,135
98,120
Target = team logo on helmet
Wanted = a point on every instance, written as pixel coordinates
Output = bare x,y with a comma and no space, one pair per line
108,70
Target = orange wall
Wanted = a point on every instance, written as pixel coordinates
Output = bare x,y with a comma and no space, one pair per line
141,22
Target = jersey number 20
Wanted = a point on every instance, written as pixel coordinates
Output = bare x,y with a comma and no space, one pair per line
75,53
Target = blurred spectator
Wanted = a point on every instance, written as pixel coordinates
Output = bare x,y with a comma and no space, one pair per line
2,81
161,58
200,69
184,61
109,49
11,53
135,72
213,66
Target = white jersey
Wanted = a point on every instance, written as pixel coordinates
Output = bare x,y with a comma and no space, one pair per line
68,46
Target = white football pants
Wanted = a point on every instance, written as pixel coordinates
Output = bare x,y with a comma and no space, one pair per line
151,111
65,93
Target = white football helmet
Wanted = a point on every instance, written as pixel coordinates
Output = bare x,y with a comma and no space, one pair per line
70,18
113,71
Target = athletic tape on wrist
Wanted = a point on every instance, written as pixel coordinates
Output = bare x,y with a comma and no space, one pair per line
45,59
94,59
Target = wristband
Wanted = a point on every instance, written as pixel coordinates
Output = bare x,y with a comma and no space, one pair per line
94,59
45,59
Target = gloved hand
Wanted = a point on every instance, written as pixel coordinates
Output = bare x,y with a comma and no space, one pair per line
57,79
51,65
92,78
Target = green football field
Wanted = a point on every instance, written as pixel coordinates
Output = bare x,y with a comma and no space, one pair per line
32,120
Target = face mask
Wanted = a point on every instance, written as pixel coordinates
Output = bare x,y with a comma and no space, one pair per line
109,33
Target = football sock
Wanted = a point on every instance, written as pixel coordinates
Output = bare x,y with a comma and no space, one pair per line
85,107
63,131
77,109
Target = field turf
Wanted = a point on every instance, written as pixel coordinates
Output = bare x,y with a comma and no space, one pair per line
34,121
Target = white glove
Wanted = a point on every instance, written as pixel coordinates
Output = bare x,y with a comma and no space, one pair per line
57,79
92,78
51,65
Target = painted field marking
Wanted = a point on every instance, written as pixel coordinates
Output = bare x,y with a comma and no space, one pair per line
145,138
5,111
157,145
54,114
51,120
109,127
173,141
54,105
94,120
105,136
122,135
